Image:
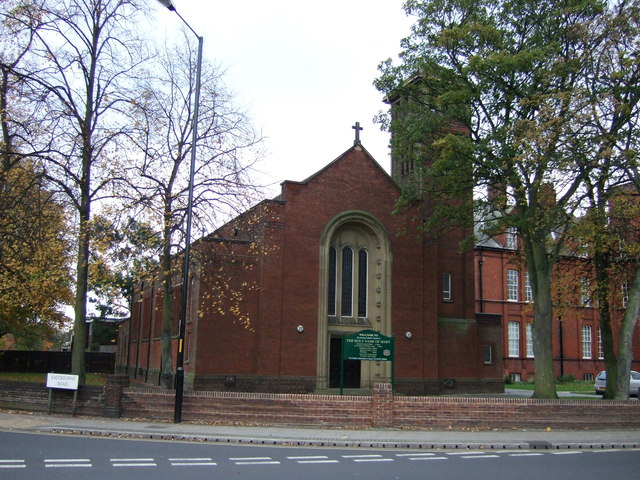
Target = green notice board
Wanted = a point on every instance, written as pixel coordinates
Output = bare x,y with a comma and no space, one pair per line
367,345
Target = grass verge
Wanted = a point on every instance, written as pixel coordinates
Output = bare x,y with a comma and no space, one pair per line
584,388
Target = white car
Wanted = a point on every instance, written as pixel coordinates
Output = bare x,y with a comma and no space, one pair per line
634,382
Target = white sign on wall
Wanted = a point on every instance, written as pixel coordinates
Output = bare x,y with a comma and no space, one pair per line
61,380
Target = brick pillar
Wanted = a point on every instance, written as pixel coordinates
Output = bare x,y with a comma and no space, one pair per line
113,395
382,405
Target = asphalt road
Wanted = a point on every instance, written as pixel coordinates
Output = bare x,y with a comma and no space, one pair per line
42,456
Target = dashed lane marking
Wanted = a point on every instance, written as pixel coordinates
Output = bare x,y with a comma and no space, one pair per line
363,460
317,461
133,462
254,461
361,456
469,457
192,462
419,456
461,454
367,458
415,454
309,457
313,459
67,463
234,459
12,463
427,458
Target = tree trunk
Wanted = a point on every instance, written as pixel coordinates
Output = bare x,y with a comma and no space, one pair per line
166,367
625,337
601,261
539,266
82,275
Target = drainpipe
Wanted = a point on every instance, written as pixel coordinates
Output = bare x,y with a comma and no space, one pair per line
146,373
138,341
480,283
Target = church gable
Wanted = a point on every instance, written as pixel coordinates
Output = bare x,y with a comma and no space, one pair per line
351,172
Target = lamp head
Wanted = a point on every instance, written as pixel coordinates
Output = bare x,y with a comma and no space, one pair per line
168,4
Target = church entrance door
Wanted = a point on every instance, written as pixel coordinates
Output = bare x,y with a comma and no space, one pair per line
351,367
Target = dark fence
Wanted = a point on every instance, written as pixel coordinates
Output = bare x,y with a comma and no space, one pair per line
59,362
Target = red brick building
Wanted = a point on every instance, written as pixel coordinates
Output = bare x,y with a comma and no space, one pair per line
274,290
502,289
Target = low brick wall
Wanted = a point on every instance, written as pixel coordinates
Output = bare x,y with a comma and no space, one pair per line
253,408
380,410
34,397
383,410
470,412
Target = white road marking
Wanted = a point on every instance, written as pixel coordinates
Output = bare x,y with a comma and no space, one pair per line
66,460
133,462
470,452
192,462
11,463
309,457
428,458
254,461
248,459
132,459
361,456
415,454
480,456
191,459
67,463
419,456
317,461
361,460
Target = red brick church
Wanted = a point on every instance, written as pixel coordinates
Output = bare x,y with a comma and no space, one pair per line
274,291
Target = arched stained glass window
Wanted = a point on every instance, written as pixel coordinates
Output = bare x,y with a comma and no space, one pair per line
362,282
347,282
331,290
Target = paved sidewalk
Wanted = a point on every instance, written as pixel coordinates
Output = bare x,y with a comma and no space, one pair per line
297,436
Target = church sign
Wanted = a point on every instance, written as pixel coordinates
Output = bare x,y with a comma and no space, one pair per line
367,345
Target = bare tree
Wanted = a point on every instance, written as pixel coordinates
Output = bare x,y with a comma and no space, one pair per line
85,56
227,148
20,126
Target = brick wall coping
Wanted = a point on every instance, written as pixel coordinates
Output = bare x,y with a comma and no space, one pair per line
254,395
514,400
444,399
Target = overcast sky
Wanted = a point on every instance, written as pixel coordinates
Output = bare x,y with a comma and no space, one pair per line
303,70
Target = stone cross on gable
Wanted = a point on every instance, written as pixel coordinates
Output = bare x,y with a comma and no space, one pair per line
358,129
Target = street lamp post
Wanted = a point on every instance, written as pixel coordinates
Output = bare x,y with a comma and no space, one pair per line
179,381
